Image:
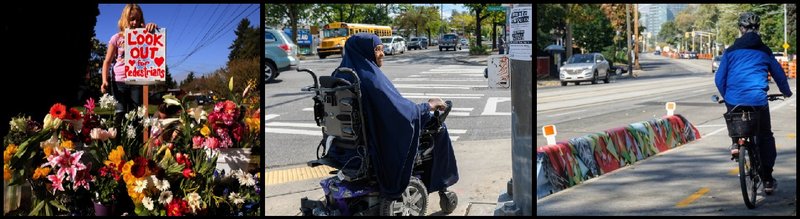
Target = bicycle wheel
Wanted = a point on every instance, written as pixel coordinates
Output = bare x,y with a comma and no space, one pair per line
747,177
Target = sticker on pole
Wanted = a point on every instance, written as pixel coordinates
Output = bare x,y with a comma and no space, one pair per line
145,56
550,133
670,108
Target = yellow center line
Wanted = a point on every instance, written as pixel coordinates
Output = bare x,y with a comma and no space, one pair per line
792,135
734,171
692,197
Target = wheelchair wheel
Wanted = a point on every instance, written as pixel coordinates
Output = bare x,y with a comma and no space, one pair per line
448,201
414,201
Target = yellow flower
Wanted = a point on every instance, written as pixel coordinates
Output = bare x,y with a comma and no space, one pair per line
6,173
41,172
253,123
48,150
115,156
68,144
126,172
205,131
9,152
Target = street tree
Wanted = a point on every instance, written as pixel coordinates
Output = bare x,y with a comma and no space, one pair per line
287,15
480,11
246,44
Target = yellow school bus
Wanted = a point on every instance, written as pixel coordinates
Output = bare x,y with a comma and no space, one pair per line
334,35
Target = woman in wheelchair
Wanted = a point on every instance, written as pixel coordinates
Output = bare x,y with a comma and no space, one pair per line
395,124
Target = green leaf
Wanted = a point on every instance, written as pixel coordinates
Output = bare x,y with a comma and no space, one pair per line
58,205
47,211
35,211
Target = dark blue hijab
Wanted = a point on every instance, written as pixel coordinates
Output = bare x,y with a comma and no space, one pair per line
392,121
394,124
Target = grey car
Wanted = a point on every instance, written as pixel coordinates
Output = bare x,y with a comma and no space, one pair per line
585,67
715,64
280,53
417,43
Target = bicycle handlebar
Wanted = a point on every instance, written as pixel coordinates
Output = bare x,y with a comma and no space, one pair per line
770,97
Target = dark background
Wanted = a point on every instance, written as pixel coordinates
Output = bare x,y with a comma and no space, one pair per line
47,48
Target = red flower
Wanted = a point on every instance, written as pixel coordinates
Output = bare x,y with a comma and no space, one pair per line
183,159
139,167
74,114
188,173
176,207
58,110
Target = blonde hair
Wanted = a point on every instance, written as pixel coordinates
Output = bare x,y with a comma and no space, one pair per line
126,12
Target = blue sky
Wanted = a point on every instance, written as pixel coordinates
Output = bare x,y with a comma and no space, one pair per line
186,25
448,8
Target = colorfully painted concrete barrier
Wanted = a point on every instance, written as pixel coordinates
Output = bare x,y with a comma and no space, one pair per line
568,163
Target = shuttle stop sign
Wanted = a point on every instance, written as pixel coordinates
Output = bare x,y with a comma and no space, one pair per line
550,133
670,108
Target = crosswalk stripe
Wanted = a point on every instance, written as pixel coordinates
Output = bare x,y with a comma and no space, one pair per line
271,116
443,94
439,86
442,80
443,97
454,138
458,113
457,131
308,109
463,70
293,131
293,124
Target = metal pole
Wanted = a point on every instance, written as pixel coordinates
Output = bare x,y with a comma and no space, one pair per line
628,35
785,50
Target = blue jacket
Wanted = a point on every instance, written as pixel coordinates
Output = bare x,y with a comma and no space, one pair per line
742,75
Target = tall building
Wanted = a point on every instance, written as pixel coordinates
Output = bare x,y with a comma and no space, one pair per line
658,14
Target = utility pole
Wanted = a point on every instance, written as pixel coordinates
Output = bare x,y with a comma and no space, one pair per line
628,35
636,32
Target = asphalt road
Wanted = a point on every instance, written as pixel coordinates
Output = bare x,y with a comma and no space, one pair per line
695,179
479,113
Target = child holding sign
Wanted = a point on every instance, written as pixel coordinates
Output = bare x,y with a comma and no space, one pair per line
128,97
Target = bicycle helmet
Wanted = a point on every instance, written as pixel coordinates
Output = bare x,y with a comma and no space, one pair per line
749,21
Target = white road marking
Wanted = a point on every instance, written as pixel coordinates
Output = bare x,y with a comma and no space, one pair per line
293,131
561,114
271,116
491,106
439,86
293,124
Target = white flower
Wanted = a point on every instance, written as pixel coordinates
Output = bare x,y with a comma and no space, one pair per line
198,114
140,185
112,133
141,112
165,197
131,132
170,101
129,116
162,185
107,102
247,180
148,203
194,201
236,198
51,122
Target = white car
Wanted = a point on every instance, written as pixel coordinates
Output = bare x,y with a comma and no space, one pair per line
393,44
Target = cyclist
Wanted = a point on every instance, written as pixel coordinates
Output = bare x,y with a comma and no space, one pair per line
742,80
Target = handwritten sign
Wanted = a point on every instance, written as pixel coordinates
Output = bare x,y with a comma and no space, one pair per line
145,56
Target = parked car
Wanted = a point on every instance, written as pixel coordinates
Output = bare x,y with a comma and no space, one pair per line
418,43
393,44
434,42
658,53
715,63
464,42
449,41
280,53
780,57
692,55
584,67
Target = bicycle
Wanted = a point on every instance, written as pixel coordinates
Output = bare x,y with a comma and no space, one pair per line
743,125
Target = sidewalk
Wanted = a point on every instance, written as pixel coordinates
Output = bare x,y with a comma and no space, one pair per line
484,169
474,59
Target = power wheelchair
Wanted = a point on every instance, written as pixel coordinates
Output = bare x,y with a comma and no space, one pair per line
354,189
